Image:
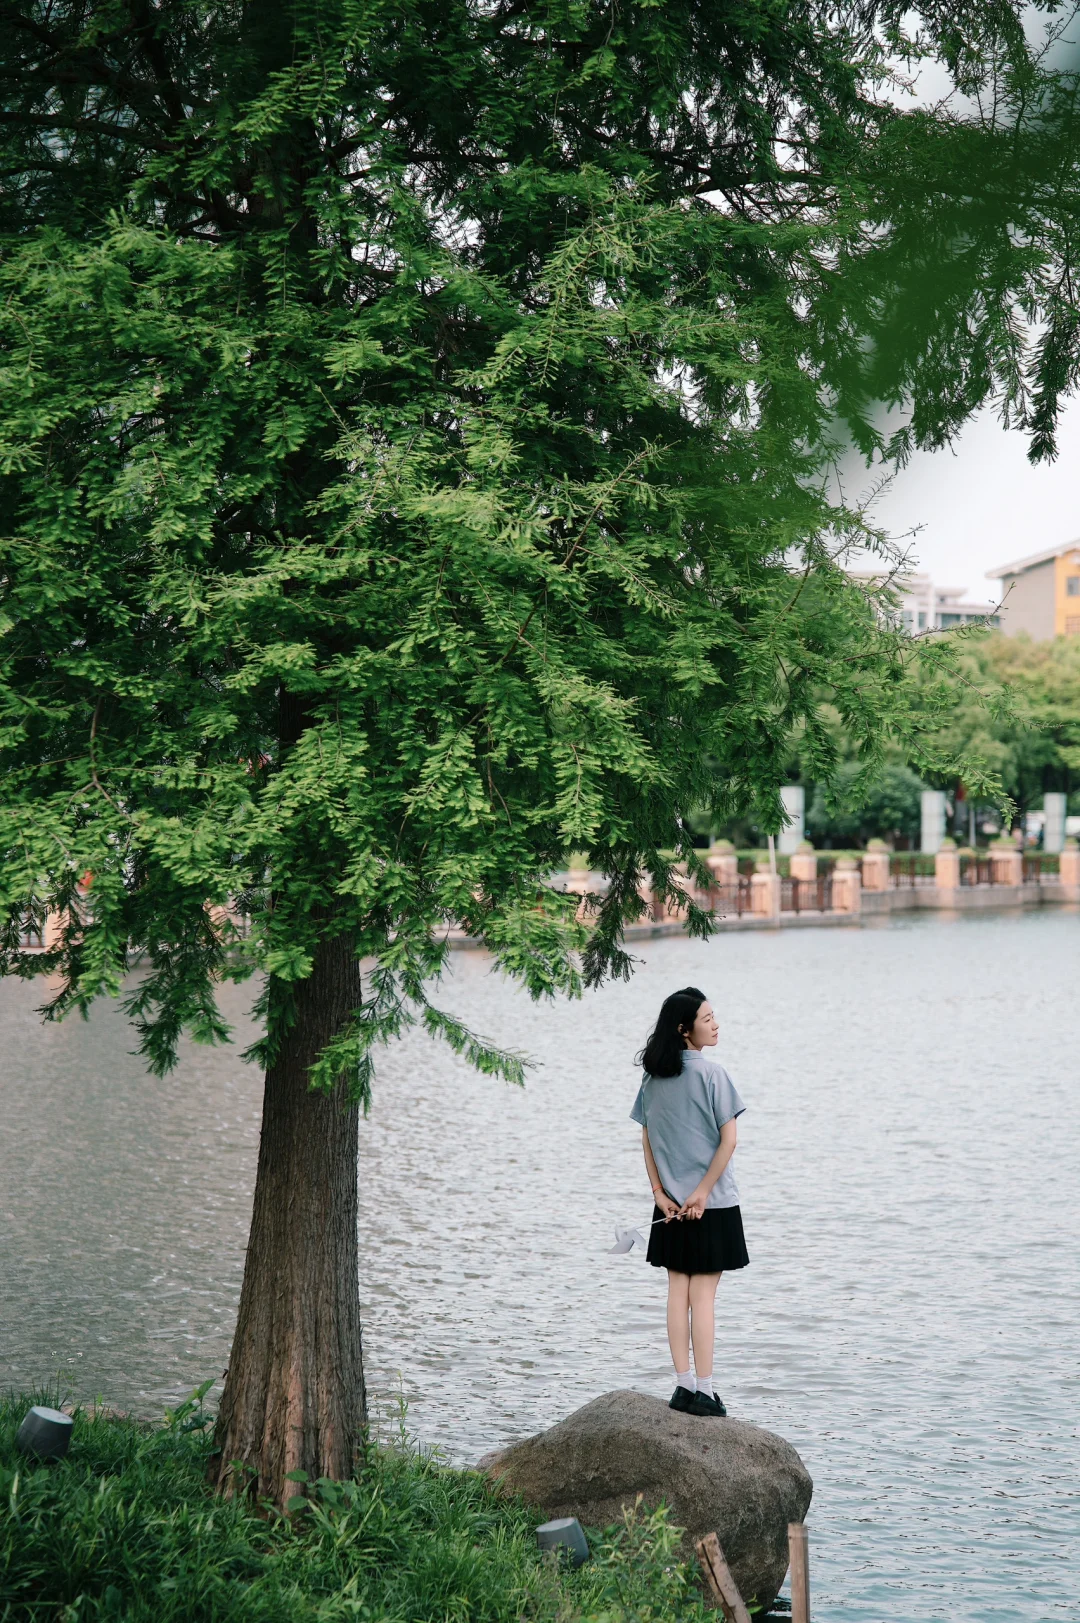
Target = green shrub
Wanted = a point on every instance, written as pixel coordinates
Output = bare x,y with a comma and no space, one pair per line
890,809
126,1530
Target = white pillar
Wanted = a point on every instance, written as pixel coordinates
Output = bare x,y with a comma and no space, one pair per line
1054,822
933,820
793,796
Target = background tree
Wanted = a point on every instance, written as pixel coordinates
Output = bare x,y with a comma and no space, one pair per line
889,808
416,436
1015,708
1029,739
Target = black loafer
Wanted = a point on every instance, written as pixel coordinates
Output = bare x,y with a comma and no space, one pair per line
706,1407
682,1400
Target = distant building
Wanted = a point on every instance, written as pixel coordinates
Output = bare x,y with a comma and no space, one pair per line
922,606
926,607
1041,594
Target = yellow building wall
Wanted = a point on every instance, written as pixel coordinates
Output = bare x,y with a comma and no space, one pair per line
1066,604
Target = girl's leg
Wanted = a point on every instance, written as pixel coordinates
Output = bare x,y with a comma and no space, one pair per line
678,1320
701,1294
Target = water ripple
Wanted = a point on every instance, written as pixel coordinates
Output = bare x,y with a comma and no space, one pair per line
908,1168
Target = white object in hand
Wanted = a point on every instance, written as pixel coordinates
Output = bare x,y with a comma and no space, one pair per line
626,1239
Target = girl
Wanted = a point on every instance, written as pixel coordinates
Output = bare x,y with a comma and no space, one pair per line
687,1106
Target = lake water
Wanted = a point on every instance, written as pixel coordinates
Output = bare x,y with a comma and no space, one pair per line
908,1164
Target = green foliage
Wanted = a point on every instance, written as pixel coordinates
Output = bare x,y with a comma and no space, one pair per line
1015,707
416,434
854,810
127,1527
1031,740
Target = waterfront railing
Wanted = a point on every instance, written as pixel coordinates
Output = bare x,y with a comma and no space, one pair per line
806,882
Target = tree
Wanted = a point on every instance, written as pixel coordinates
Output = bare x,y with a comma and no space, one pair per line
416,428
889,807
1030,739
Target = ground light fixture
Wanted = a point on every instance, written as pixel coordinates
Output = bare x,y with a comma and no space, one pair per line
566,1537
46,1433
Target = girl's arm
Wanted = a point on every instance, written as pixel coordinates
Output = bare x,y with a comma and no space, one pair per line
724,1151
668,1206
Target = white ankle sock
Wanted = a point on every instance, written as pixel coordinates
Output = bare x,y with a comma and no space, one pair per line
704,1384
686,1380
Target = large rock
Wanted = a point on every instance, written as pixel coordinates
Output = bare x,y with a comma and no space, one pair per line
717,1476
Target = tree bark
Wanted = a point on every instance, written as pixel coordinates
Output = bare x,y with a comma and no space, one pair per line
294,1394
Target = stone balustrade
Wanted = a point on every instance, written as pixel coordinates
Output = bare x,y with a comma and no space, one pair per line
846,886
765,892
957,881
959,878
947,866
875,866
1006,865
804,864
723,863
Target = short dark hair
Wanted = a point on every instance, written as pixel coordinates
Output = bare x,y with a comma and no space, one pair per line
663,1053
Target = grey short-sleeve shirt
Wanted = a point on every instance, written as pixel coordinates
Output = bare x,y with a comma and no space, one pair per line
684,1115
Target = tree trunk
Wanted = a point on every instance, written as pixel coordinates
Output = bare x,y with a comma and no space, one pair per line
294,1395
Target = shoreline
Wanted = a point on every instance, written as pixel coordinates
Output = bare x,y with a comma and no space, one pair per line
407,1537
876,907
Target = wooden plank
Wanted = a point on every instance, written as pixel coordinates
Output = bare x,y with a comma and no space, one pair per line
724,1589
799,1554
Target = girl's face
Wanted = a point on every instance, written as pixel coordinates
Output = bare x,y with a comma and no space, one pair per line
704,1031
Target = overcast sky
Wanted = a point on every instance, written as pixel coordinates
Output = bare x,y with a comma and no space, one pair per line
982,503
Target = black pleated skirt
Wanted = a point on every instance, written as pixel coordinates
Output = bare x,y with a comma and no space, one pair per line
710,1244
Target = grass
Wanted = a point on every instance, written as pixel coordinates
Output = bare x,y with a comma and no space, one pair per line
125,1530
